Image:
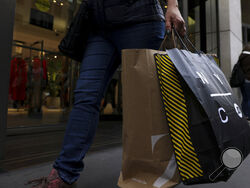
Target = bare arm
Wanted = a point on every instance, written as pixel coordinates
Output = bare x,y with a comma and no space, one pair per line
173,17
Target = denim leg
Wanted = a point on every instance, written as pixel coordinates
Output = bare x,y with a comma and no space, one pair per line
96,70
147,35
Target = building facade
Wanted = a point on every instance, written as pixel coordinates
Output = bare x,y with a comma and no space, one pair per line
37,82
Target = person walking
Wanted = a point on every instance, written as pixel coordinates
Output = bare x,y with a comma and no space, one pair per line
244,60
127,24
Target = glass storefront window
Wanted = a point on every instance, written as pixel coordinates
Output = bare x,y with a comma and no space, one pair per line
246,34
194,33
202,21
194,23
245,4
41,79
211,29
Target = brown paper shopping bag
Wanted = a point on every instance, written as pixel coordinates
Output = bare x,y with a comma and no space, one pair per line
148,156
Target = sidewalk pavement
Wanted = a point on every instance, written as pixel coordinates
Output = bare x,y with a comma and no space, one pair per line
102,170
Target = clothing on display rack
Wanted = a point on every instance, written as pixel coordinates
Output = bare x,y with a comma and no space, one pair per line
39,77
18,79
36,68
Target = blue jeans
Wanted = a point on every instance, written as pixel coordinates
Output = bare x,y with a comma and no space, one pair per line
245,91
101,59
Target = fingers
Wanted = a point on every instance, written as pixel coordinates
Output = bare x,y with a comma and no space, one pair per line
182,28
179,25
174,18
168,25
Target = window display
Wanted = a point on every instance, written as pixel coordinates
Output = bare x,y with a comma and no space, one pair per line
202,25
41,83
18,81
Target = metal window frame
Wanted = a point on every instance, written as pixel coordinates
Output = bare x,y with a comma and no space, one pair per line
7,10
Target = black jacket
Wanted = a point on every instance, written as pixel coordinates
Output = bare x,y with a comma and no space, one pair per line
114,13
244,60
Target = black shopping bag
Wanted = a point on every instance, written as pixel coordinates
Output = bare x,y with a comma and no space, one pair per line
210,135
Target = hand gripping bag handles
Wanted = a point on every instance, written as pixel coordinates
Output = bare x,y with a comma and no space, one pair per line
209,133
75,40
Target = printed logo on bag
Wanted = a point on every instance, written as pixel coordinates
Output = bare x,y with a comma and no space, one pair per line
222,114
231,159
205,80
202,77
217,76
238,111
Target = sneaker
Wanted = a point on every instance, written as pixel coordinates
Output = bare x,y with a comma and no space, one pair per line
52,181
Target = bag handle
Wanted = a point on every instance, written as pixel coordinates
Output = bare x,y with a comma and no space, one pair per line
174,33
192,45
168,42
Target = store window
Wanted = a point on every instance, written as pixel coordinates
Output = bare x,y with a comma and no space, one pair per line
41,79
245,5
202,25
246,33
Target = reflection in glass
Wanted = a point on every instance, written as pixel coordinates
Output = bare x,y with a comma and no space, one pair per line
196,22
41,78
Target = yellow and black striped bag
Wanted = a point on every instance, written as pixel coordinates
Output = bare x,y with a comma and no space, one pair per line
209,134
